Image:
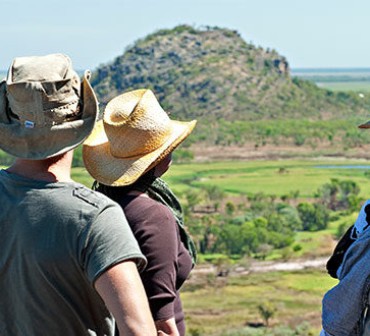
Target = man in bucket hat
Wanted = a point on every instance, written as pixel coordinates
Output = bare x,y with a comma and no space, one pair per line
68,261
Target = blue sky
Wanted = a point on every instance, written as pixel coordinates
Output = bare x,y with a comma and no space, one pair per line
315,33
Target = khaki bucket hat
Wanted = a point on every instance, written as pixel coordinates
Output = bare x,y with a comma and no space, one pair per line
45,110
134,135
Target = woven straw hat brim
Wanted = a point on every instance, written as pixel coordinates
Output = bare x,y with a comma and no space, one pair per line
113,171
44,142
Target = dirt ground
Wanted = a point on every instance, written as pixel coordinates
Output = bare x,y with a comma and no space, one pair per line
204,153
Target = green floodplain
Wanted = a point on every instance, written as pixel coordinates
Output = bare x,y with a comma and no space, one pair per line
227,305
359,86
270,177
230,305
337,79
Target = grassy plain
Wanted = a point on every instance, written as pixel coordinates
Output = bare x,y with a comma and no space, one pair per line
270,177
360,86
219,305
278,177
356,79
224,305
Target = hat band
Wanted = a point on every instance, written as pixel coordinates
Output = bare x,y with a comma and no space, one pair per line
29,113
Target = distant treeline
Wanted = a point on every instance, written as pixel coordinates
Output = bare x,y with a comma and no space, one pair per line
340,134
279,132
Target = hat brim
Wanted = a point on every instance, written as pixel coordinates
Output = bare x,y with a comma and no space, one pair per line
113,171
365,125
44,142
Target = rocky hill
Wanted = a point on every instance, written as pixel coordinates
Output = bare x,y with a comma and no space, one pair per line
214,73
246,101
243,96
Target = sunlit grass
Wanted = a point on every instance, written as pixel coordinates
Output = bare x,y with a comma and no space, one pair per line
270,177
250,177
296,295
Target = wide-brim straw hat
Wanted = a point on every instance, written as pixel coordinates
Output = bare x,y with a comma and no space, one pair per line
45,110
134,135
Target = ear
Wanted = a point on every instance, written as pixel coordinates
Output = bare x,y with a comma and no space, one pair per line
4,112
163,165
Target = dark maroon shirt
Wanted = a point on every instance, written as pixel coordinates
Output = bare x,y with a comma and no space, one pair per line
169,262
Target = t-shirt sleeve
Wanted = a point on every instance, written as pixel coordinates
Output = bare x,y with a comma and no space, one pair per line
109,241
158,240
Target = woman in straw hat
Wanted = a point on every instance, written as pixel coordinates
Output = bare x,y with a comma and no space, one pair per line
127,153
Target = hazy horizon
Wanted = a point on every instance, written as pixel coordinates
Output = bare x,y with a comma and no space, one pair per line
292,70
314,34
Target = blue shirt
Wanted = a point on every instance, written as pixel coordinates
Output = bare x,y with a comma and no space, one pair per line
344,307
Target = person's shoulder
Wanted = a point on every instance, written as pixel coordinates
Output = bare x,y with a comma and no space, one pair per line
90,197
362,224
150,204
143,207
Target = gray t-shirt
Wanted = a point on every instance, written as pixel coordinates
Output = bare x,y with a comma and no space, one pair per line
56,239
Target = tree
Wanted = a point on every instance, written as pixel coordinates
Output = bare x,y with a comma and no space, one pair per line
232,240
264,250
230,208
192,198
290,217
214,194
267,310
328,194
314,216
339,195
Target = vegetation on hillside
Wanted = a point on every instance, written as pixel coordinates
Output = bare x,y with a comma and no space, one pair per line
239,92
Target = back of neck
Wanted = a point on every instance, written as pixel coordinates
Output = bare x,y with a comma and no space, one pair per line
55,169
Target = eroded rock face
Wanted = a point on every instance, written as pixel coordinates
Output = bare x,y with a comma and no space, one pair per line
282,66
